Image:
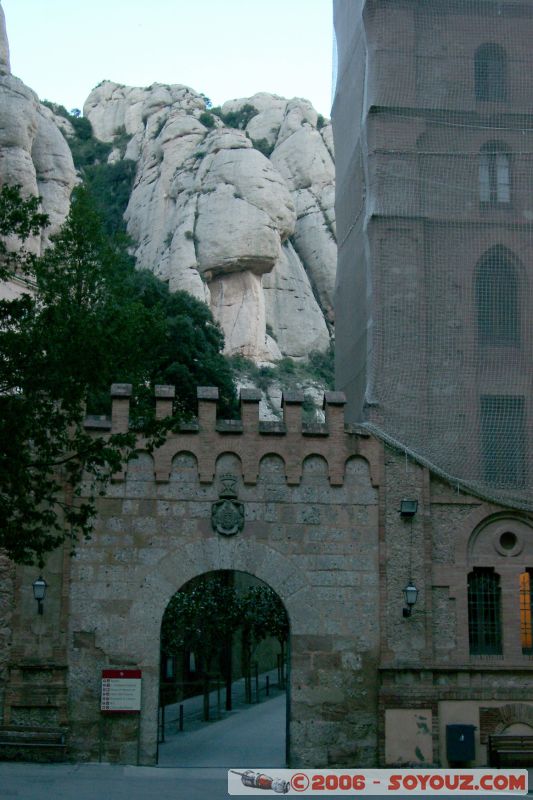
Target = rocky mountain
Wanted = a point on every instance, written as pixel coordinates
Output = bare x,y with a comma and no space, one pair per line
33,149
235,205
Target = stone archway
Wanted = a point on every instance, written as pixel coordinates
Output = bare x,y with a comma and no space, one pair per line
160,583
222,635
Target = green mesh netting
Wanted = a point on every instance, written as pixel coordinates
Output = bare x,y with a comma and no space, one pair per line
433,126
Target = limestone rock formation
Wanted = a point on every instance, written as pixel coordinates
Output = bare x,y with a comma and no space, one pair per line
5,66
33,151
235,205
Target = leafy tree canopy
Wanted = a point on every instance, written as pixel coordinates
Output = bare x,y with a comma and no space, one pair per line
92,320
204,615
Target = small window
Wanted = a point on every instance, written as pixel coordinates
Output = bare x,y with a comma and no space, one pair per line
490,67
494,175
484,612
502,441
526,611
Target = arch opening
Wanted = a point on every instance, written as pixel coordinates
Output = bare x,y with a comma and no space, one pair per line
497,289
224,659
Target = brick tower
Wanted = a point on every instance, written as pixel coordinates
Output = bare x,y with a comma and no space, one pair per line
434,141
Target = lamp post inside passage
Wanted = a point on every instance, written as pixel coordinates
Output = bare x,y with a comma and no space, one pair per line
39,592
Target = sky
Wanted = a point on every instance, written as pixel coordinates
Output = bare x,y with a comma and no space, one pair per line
224,48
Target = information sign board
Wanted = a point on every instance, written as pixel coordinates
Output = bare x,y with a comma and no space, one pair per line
121,691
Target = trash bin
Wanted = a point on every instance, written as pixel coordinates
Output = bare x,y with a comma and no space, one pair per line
460,743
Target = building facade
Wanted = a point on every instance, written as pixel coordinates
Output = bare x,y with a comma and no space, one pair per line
433,142
433,138
434,147
321,506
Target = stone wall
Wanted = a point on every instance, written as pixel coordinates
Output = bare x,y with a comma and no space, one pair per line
310,533
322,527
427,671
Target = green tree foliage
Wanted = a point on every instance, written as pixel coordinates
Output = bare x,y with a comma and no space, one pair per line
183,346
91,321
109,184
207,119
264,146
236,119
110,187
263,615
204,616
18,220
319,368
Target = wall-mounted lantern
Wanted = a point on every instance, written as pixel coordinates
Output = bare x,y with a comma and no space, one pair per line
39,592
408,508
410,594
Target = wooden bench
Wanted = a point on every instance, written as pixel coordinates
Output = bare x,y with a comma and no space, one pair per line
25,743
510,750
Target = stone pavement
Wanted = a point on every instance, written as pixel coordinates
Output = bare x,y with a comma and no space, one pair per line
109,782
250,738
193,707
253,738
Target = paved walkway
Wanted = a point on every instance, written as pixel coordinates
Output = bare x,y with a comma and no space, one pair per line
193,707
107,782
253,738
254,735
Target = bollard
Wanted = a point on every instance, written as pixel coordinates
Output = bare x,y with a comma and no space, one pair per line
267,687
256,682
181,717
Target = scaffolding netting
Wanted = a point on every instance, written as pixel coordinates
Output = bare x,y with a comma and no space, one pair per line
433,123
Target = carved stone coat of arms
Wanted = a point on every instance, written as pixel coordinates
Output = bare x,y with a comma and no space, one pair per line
227,514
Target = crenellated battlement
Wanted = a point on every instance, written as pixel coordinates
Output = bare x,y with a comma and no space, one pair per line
249,437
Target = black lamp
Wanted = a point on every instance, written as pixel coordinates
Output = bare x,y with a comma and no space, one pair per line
39,592
411,596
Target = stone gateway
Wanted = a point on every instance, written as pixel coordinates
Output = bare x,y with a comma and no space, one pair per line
322,527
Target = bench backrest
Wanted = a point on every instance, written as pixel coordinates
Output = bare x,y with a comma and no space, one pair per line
511,741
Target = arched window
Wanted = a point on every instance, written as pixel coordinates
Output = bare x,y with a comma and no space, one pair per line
490,67
494,174
484,612
497,298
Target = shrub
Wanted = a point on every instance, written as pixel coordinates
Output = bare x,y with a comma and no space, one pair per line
240,119
207,119
264,146
82,127
121,139
160,124
110,186
236,119
322,366
292,374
